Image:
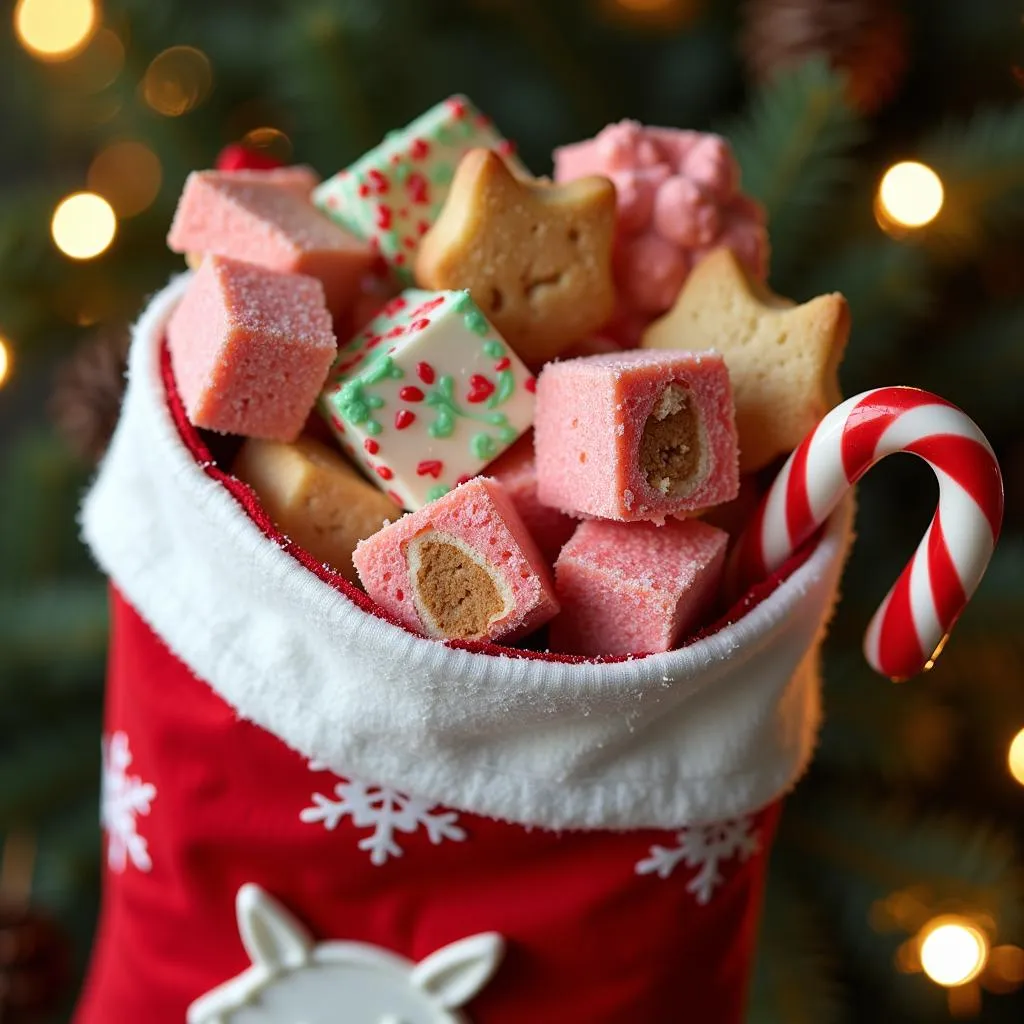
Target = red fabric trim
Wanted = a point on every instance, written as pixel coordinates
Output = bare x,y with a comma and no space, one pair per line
247,498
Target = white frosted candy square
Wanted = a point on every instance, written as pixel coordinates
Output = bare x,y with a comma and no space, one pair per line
426,395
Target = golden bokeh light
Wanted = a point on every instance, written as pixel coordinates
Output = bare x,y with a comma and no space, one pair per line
5,360
910,195
177,81
55,29
954,951
1015,758
271,141
644,5
128,175
83,226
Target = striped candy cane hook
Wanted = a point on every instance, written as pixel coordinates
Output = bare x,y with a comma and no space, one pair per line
910,626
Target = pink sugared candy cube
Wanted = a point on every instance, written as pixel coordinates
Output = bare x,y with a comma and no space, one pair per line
635,588
250,349
268,218
463,567
516,469
636,435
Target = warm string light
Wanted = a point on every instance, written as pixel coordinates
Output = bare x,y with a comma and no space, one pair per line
953,950
5,360
83,225
271,141
128,175
177,81
55,30
910,196
1015,758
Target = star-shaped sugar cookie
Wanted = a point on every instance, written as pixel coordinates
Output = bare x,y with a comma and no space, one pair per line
782,358
535,256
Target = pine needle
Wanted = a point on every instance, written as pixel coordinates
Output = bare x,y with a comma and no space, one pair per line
795,151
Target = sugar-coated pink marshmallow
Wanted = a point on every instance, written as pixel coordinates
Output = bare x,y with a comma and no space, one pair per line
462,567
516,469
635,588
637,435
250,349
266,217
678,199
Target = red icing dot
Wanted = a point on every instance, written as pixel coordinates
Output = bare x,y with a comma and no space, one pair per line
399,259
409,243
505,148
483,121
480,388
363,190
503,364
383,472
396,498
384,217
337,424
423,227
426,307
332,202
425,372
419,149
404,211
410,393
530,384
400,595
396,332
374,341
377,181
418,325
403,419
430,467
418,188
396,158
396,305
371,446
457,108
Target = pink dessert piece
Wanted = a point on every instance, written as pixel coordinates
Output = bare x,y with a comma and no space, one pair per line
636,436
300,178
463,567
635,588
516,469
677,200
267,218
250,349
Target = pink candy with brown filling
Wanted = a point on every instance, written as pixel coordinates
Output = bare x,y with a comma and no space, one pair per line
636,436
462,567
250,349
635,588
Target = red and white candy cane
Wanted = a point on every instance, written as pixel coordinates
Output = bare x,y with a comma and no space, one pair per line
910,626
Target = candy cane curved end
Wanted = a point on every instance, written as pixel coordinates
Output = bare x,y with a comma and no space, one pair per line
910,627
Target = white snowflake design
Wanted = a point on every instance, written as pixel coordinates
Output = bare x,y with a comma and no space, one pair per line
387,811
704,846
123,798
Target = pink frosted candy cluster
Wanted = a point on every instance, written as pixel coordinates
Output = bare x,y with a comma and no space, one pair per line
678,198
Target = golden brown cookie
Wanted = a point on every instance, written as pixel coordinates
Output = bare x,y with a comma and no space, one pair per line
535,256
315,497
782,358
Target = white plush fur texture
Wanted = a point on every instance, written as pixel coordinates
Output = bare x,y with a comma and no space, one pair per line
719,728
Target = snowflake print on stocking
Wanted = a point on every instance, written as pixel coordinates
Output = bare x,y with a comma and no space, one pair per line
123,798
386,811
704,847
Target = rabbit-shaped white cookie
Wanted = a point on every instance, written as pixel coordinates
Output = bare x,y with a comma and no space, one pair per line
293,980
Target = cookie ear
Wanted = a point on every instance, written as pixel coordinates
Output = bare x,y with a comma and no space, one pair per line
455,974
271,936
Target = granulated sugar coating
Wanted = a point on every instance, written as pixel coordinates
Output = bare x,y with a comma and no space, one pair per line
462,567
516,469
636,436
635,588
250,349
267,218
